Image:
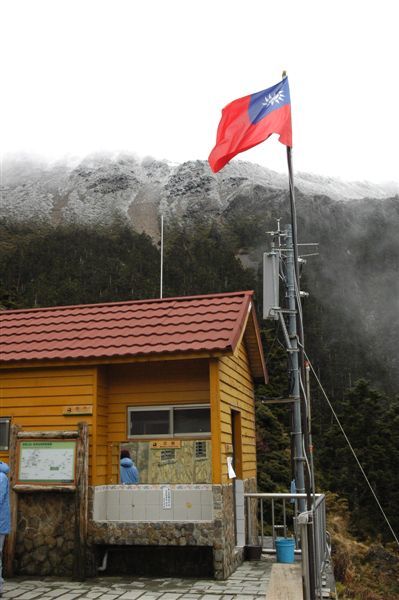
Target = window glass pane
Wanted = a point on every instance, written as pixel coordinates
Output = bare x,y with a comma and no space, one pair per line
149,422
4,433
192,420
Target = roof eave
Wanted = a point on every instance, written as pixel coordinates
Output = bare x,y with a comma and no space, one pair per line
247,318
104,360
260,373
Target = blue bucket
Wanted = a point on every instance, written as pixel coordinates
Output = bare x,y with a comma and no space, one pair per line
285,550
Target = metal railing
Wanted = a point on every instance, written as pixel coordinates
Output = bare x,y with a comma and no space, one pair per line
312,527
307,528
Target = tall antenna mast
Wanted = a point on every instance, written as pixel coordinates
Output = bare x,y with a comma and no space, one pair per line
161,274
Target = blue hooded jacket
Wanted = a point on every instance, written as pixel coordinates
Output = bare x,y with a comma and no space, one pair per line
5,523
129,472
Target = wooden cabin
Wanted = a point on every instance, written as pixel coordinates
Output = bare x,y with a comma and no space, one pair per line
172,381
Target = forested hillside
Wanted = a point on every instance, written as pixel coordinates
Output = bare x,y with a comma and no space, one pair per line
43,266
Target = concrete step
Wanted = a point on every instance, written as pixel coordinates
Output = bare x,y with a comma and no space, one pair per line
285,582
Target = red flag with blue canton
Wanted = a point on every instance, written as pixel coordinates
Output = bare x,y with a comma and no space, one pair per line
249,121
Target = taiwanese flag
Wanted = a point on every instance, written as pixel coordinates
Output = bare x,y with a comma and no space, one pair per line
249,121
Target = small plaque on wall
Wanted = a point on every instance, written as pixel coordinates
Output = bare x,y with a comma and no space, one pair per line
166,498
166,444
85,409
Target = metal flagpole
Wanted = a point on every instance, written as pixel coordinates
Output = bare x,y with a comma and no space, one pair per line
300,407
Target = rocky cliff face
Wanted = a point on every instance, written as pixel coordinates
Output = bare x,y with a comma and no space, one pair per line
102,188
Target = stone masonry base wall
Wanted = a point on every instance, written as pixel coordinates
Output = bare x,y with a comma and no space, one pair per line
227,557
45,534
218,533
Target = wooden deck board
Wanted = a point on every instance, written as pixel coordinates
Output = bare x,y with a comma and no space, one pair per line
285,582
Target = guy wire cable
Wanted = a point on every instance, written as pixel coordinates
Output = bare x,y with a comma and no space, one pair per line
352,450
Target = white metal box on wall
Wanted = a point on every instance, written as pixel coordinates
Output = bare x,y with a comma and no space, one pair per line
271,287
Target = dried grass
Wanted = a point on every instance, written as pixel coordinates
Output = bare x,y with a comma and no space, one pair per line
364,571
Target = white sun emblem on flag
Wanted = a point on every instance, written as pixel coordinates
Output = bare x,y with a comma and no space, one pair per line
273,99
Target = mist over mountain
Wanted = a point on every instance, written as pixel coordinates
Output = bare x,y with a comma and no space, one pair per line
353,281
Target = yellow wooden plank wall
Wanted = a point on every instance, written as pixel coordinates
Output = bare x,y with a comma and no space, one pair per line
113,469
35,398
215,420
100,429
237,392
154,383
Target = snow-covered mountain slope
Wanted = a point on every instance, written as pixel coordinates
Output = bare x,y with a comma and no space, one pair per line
102,187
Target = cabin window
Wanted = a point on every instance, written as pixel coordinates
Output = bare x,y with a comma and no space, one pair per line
200,450
191,420
4,432
168,455
149,422
169,421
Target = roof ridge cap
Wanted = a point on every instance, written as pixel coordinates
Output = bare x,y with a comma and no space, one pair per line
249,293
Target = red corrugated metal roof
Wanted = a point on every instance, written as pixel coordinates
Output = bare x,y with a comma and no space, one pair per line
125,329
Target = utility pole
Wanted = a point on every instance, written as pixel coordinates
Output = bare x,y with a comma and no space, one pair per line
291,324
294,367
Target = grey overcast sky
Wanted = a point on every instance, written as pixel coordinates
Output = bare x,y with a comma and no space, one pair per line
151,76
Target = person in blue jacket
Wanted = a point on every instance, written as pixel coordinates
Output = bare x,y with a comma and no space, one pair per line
129,471
5,523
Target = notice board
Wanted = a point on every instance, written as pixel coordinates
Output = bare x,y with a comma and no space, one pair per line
46,461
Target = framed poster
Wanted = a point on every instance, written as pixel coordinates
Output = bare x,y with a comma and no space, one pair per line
46,461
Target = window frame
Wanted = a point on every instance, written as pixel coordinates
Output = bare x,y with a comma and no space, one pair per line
170,408
6,420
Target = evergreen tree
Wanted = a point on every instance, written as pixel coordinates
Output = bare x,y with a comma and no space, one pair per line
272,421
201,260
370,420
73,265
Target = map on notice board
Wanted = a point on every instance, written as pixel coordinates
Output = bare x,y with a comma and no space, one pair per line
47,461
